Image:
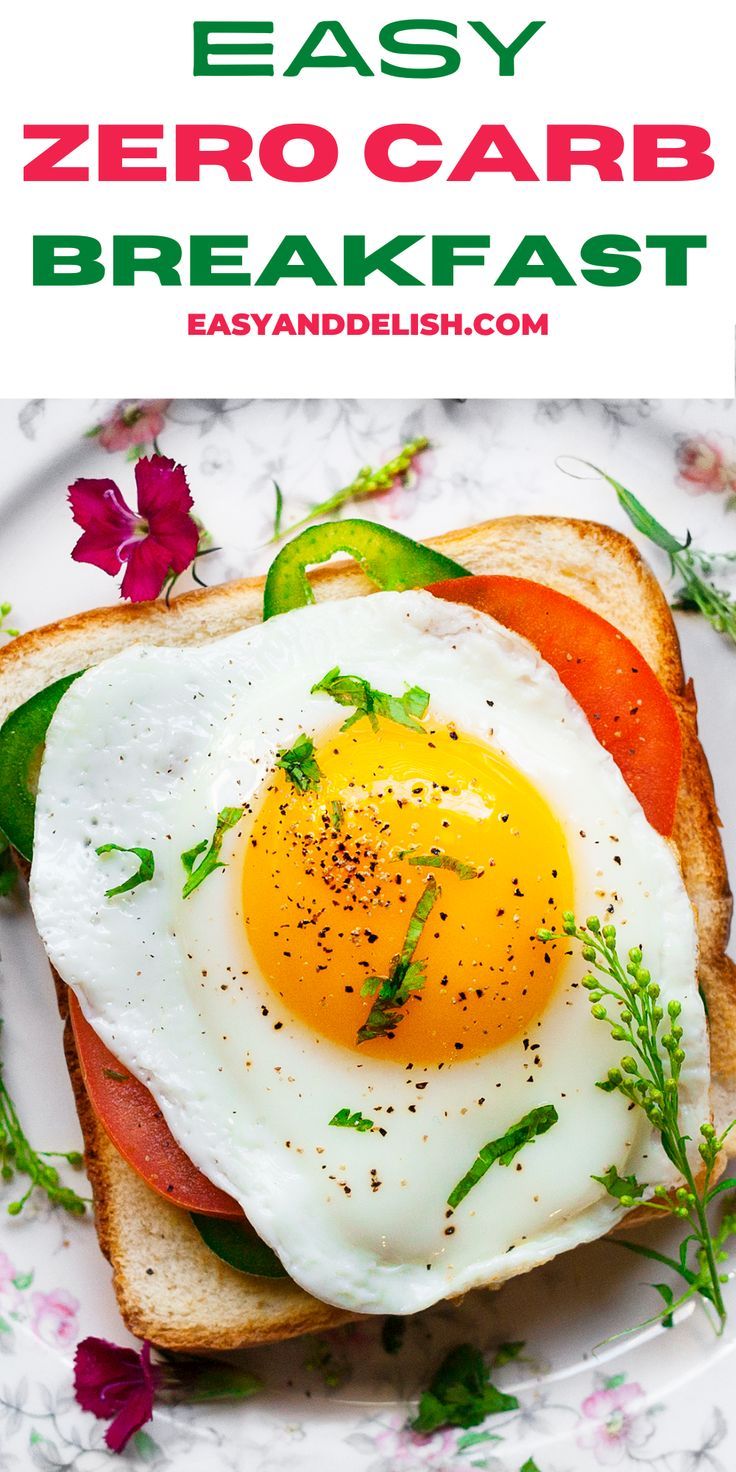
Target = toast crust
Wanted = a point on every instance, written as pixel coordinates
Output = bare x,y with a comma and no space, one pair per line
170,1288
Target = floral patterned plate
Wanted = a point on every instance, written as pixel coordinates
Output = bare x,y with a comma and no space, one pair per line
658,1398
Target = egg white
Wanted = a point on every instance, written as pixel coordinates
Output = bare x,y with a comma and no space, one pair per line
144,750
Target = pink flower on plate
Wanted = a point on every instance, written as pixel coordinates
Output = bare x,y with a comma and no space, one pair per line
54,1317
619,1426
705,465
399,1449
158,541
116,1385
131,423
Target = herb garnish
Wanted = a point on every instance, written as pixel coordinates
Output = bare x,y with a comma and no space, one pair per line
407,709
17,1154
300,764
695,568
347,1121
406,974
8,871
504,1150
367,483
278,515
336,815
439,860
5,610
460,1394
143,874
650,1078
226,819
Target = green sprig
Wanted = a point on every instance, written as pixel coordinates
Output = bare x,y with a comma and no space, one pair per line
392,992
695,568
367,483
352,690
17,1154
624,996
5,610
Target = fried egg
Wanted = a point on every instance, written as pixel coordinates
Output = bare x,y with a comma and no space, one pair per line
448,841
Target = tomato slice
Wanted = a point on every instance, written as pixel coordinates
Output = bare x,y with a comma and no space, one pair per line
628,709
632,717
131,1117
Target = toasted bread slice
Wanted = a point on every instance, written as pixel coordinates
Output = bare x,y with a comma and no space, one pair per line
171,1289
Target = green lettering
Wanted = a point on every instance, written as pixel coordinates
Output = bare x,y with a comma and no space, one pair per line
358,265
548,265
449,56
506,54
54,266
609,254
349,55
204,50
207,269
445,255
675,249
282,266
126,263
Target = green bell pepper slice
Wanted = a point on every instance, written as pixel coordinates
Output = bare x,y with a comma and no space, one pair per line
389,559
238,1246
22,739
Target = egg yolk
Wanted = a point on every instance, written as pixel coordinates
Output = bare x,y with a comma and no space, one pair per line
333,875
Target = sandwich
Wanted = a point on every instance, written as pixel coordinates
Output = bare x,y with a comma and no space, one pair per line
335,882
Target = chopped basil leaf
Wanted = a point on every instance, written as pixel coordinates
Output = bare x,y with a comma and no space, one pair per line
347,1121
392,992
299,763
505,1149
337,814
407,709
226,819
461,1394
624,1188
439,860
143,874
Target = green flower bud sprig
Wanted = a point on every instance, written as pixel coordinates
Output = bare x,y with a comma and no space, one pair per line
367,483
698,591
17,1154
623,995
5,612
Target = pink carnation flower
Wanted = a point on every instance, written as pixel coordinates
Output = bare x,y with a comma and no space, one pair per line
160,540
132,422
116,1385
54,1317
